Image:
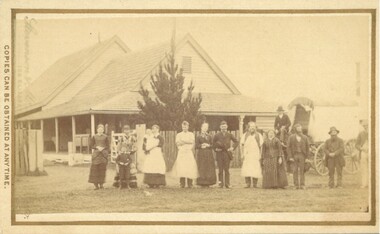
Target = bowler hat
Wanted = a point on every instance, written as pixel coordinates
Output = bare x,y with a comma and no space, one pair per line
280,109
333,129
297,125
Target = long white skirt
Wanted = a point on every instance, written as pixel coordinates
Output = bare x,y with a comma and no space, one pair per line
154,162
251,166
185,165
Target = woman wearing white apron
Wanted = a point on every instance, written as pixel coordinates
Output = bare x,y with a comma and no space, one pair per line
251,143
154,167
185,166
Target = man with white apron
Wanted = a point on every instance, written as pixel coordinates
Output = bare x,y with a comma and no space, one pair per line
251,145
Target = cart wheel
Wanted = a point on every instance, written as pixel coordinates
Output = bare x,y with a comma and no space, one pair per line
319,161
351,157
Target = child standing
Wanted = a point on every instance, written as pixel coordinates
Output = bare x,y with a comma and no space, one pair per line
124,160
100,145
129,141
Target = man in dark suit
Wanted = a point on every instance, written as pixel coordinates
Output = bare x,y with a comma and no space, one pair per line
298,151
334,150
282,124
224,153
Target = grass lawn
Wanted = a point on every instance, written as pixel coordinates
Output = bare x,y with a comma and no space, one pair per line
65,190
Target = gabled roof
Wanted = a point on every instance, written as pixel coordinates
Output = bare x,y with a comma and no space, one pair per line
124,73
61,73
113,90
201,52
128,72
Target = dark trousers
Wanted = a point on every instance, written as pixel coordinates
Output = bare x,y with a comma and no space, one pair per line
223,161
124,174
182,181
334,164
283,135
299,170
249,179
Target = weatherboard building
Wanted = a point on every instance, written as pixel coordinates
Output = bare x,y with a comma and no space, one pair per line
100,84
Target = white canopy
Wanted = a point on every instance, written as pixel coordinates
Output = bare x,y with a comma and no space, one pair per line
344,117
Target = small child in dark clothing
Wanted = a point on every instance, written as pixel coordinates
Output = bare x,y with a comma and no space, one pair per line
124,161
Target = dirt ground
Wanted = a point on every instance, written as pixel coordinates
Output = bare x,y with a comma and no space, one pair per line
65,189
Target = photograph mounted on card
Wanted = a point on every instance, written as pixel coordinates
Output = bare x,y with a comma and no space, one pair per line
194,116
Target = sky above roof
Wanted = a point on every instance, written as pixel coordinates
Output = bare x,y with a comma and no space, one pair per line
275,57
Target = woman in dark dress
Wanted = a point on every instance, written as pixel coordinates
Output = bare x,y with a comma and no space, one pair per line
100,144
273,163
205,158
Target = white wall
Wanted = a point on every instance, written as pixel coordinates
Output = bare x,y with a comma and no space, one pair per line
203,77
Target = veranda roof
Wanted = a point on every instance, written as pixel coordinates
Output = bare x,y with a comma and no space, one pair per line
126,103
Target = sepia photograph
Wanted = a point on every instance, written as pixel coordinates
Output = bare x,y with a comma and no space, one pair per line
193,117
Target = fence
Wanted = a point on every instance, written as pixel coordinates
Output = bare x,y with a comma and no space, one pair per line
28,152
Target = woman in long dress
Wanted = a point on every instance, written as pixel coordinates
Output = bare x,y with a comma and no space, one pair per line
273,162
100,145
154,167
185,166
205,158
251,143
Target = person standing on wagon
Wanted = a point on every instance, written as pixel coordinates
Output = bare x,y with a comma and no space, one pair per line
224,153
282,124
362,146
334,150
298,151
252,143
100,145
185,166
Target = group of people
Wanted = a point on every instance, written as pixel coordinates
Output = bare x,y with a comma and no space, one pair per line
264,157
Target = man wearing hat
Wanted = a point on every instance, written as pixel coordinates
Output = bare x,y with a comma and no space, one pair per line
362,146
224,153
298,151
281,124
334,150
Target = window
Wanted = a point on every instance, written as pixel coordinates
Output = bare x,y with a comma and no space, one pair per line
186,64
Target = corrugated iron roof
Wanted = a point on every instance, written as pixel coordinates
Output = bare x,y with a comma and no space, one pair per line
212,104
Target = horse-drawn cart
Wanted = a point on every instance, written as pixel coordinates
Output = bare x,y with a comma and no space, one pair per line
316,118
